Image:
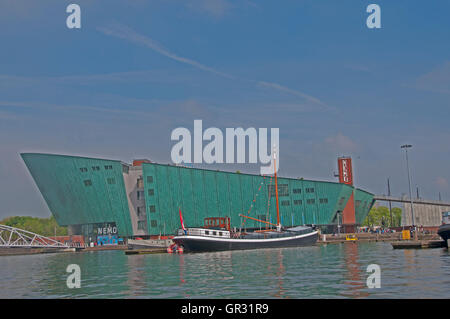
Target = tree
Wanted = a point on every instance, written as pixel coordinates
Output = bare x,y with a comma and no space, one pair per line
41,226
379,216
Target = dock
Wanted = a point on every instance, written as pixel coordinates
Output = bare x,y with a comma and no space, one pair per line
372,237
418,244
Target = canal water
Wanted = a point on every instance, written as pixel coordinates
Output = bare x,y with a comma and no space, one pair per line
324,271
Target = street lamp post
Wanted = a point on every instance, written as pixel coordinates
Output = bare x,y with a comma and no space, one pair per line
406,146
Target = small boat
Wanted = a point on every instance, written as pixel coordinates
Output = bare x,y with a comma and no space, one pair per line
148,243
217,235
444,229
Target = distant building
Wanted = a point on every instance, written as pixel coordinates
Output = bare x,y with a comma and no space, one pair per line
99,197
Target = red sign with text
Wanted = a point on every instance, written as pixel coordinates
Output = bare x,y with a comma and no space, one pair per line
345,170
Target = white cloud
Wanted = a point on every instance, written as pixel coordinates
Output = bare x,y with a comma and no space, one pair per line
341,143
441,182
438,80
215,8
281,88
128,34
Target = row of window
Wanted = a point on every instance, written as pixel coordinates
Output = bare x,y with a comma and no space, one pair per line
109,180
214,233
140,194
283,190
142,224
141,209
95,168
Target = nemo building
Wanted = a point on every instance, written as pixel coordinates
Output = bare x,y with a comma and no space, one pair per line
99,197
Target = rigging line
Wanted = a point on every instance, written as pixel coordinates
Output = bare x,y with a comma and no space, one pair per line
254,198
268,200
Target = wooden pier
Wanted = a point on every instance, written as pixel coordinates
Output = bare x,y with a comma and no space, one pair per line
418,244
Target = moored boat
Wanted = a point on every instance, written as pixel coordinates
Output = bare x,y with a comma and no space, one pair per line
219,239
444,229
216,234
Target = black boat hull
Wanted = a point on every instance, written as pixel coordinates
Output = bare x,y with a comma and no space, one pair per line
203,244
444,232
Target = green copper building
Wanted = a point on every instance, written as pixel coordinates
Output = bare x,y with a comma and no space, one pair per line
144,199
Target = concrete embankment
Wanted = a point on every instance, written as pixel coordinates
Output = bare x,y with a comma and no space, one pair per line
32,251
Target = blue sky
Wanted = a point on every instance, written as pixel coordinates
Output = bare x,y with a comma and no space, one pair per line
136,70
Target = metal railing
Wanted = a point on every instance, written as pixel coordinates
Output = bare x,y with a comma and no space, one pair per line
15,237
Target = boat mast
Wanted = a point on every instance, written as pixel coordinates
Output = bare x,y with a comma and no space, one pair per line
276,187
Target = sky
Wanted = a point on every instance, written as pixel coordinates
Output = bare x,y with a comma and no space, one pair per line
136,70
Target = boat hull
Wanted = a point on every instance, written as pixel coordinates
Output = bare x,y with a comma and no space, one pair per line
444,232
203,244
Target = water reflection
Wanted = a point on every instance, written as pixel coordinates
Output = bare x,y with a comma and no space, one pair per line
280,275
354,282
328,271
136,276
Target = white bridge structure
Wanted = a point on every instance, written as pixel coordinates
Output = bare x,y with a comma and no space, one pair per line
15,237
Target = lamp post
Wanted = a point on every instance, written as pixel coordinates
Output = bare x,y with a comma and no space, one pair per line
406,146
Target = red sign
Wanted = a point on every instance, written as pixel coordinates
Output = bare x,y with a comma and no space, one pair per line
345,170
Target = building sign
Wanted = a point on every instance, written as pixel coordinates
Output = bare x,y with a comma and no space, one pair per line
107,229
345,170
101,234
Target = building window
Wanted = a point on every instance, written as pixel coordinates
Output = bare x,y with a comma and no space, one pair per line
125,169
83,169
262,217
283,190
323,200
297,190
285,203
108,166
152,208
151,192
154,223
111,180
88,182
140,210
149,179
310,201
140,195
140,183
297,201
357,203
95,168
310,190
142,225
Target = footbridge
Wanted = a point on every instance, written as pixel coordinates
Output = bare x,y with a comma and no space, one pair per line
16,237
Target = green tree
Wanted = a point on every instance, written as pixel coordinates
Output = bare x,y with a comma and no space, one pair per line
41,226
379,216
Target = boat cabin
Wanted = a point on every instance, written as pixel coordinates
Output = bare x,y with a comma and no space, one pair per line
218,223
